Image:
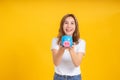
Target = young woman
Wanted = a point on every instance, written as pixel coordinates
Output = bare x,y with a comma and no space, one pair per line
67,60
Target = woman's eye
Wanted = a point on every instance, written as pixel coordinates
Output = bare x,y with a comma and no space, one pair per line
66,23
72,23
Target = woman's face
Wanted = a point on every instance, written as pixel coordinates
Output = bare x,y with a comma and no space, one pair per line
69,26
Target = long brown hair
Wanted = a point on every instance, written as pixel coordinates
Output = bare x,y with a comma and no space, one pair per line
76,34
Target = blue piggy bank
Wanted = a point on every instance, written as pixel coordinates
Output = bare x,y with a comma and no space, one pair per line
67,41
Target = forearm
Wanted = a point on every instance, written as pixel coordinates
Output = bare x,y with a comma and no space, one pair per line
58,56
76,59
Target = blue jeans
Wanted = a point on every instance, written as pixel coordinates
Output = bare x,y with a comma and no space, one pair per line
64,77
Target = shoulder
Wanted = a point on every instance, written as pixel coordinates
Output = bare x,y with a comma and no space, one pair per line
81,41
55,39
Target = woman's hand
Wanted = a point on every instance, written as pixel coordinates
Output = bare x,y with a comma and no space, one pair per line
72,49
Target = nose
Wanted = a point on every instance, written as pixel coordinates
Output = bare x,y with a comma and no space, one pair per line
69,25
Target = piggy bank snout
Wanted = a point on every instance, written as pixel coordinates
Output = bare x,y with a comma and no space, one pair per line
66,44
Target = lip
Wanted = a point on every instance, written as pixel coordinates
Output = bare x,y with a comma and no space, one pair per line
68,30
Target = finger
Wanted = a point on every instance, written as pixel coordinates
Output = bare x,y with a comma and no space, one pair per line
72,46
60,46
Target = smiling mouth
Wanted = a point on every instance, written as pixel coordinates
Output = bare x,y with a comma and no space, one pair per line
69,30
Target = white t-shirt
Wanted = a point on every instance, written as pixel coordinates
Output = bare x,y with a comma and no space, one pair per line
66,67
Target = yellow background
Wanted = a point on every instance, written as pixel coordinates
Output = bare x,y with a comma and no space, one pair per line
27,28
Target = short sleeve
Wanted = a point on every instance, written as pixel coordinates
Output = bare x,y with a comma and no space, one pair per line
54,44
82,46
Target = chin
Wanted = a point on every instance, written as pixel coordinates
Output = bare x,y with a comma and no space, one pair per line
71,33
